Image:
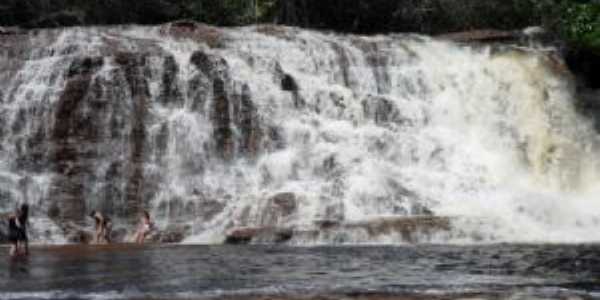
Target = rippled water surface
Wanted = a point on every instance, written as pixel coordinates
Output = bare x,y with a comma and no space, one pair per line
195,272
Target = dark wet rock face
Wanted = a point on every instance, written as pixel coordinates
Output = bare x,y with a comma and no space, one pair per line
90,130
135,68
170,94
101,136
211,36
279,207
211,66
407,229
488,35
70,161
3,229
249,235
85,66
222,134
288,83
247,119
231,112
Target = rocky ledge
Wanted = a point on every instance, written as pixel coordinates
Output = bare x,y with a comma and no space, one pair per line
411,229
84,235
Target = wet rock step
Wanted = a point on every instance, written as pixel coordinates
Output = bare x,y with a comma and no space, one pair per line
408,229
484,35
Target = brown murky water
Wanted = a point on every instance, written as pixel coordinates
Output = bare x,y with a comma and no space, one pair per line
269,272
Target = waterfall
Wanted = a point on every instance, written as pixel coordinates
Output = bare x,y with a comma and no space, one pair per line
339,138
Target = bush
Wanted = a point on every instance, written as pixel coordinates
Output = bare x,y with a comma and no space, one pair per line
576,21
580,23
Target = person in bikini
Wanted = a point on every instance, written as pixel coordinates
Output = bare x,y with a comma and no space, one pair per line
144,227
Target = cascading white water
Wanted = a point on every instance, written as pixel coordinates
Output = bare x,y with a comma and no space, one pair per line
271,126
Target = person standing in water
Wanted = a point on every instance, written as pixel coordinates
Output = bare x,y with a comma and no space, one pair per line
103,227
13,235
17,231
144,227
23,219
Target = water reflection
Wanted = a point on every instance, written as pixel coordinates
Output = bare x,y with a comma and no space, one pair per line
18,268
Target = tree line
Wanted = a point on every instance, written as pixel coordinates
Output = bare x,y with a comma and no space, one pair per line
576,20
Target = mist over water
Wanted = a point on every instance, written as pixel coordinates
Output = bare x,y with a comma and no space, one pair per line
212,129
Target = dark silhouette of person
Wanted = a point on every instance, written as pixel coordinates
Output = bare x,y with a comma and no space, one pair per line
17,231
102,227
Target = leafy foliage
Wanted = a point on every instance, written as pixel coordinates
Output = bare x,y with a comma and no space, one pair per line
577,21
580,23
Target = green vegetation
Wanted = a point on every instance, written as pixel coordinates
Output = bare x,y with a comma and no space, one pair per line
580,24
230,12
55,13
576,21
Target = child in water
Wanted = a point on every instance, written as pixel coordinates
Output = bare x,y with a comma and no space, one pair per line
144,227
17,231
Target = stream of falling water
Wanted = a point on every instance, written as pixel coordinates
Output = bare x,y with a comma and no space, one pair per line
213,129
